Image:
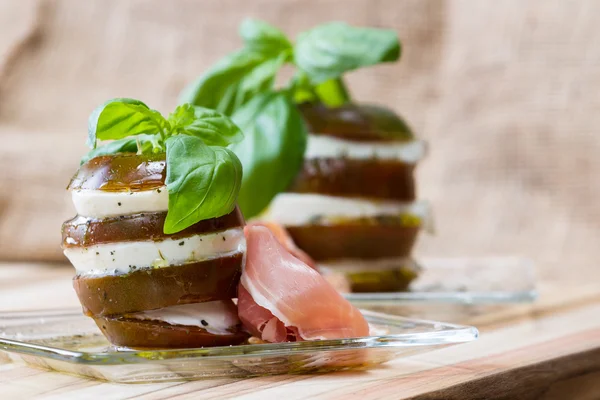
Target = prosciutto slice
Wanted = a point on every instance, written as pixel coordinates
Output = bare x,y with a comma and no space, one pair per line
280,298
286,240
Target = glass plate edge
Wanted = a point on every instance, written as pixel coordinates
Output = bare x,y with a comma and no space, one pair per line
450,334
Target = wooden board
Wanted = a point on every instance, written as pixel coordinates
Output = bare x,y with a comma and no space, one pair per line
547,350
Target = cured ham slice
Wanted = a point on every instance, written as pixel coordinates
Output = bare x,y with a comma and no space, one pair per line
280,298
259,321
286,241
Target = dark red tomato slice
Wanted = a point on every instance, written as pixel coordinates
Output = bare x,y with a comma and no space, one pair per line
353,239
359,122
153,288
84,231
121,173
151,334
391,280
381,179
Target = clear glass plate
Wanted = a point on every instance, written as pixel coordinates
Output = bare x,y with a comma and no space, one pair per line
484,280
67,341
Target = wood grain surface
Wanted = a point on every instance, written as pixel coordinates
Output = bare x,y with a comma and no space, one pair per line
546,350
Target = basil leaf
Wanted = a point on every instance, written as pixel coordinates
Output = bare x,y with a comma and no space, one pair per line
119,118
263,38
214,128
329,50
118,146
203,181
233,81
333,92
150,144
272,151
301,88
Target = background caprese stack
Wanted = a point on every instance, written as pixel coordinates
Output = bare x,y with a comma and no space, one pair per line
353,206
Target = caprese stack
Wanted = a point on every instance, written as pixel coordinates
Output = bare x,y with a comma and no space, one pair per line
145,288
353,206
158,242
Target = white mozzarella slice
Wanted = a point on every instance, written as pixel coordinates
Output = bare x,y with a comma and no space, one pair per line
323,146
297,209
123,257
103,204
217,317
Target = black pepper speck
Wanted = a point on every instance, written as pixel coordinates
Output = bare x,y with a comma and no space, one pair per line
204,323
119,203
181,243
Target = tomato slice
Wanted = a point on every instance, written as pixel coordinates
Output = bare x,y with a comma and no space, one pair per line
121,172
83,231
354,239
358,122
130,332
153,288
374,178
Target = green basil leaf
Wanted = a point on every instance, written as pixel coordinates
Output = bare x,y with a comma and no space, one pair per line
272,151
119,118
233,81
118,146
203,181
333,92
150,144
329,50
214,128
263,38
302,90
140,144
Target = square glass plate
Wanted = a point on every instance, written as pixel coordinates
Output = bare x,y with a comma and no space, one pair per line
67,341
485,280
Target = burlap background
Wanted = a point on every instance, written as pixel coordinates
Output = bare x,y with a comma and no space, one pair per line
506,92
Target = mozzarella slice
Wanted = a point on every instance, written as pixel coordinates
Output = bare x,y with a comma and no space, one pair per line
103,204
297,209
214,316
323,146
123,257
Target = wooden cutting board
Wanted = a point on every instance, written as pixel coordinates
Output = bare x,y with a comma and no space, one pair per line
547,350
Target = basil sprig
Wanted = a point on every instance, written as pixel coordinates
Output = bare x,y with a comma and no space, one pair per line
262,38
119,118
329,50
203,176
273,150
209,125
242,85
231,82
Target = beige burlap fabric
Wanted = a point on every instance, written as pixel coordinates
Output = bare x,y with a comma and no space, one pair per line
506,92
